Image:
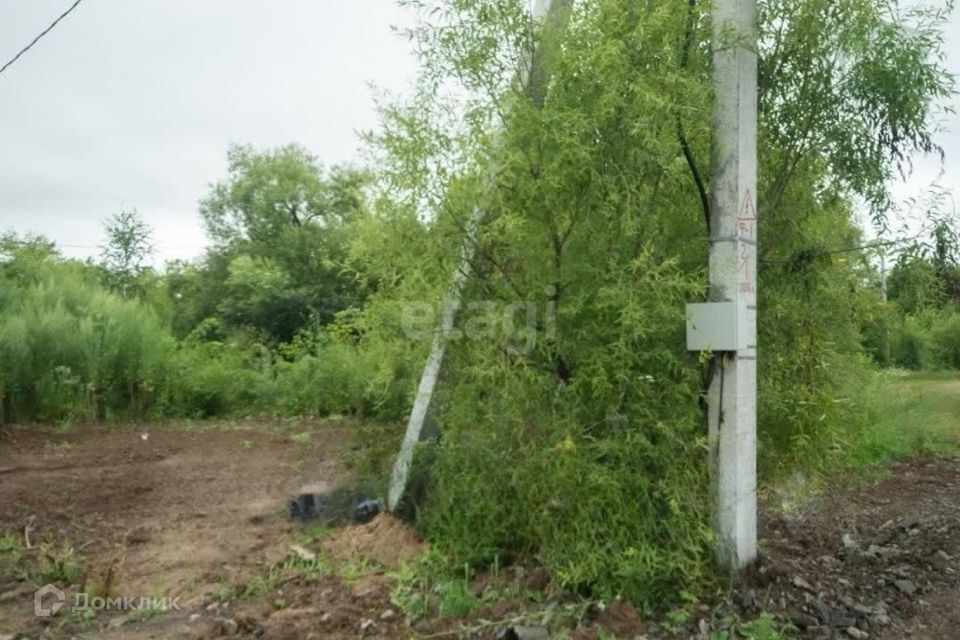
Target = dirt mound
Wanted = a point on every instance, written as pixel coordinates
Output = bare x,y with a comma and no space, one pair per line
386,540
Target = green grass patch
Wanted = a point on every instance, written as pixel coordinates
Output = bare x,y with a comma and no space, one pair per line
907,415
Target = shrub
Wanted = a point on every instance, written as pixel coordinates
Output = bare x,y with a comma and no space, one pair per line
946,338
70,349
912,345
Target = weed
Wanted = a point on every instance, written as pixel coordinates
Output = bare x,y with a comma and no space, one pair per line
64,447
456,598
60,564
300,438
764,627
314,533
351,571
224,593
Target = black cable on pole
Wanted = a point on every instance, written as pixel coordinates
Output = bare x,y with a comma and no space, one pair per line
681,135
42,33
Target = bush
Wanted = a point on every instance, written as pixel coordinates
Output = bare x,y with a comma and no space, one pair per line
69,349
607,488
912,345
946,338
215,379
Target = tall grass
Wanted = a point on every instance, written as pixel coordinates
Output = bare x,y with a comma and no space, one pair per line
69,349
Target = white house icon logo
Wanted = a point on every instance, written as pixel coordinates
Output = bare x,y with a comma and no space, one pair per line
56,597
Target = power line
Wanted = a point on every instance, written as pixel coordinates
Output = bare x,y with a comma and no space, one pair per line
823,251
42,33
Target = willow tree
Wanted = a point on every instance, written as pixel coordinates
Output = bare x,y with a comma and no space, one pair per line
570,412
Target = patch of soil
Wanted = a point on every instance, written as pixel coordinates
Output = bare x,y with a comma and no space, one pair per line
881,561
386,540
322,609
176,512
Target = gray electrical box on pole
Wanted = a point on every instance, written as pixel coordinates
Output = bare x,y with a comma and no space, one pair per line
732,396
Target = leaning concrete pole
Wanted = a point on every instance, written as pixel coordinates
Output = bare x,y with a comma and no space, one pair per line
733,278
551,15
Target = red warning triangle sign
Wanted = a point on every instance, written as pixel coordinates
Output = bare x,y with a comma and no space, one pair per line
747,209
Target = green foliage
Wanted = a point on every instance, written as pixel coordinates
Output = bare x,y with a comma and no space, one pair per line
127,248
280,223
586,416
213,378
908,414
70,349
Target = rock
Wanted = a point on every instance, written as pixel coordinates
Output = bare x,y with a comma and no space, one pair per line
840,621
422,627
367,625
805,621
325,618
303,553
748,599
849,542
905,587
225,626
820,610
939,561
877,551
800,583
194,617
902,571
388,615
116,623
523,632
853,632
879,620
7,636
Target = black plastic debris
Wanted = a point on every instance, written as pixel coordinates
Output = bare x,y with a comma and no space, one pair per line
365,511
335,507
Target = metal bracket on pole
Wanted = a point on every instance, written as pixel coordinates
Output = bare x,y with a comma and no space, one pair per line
554,13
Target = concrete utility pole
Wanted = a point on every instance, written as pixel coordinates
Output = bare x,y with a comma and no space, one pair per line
733,278
551,15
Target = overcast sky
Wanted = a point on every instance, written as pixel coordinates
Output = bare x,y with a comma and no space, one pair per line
132,103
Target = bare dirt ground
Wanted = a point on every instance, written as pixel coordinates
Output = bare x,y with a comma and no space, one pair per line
881,560
201,515
185,514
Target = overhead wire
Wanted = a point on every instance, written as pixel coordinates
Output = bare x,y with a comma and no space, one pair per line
42,33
